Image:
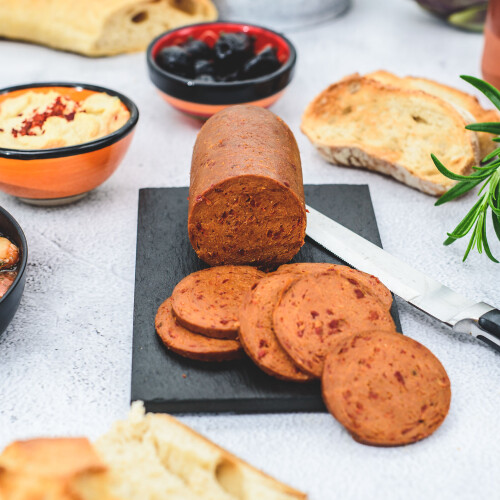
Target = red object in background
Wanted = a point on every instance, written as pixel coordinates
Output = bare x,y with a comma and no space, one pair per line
491,54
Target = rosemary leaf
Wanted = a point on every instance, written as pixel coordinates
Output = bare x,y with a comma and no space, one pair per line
490,127
488,90
496,224
457,190
457,177
479,230
468,221
470,246
487,250
488,175
494,153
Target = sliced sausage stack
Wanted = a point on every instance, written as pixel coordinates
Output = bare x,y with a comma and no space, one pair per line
201,319
314,321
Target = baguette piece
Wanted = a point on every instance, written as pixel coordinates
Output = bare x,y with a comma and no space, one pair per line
98,27
55,469
154,456
146,457
361,123
452,95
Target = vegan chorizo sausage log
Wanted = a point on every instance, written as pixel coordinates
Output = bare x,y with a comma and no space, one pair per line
246,197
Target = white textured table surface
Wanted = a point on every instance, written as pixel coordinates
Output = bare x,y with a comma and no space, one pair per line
65,359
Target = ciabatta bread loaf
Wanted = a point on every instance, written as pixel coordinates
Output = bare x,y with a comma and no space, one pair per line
98,27
450,94
359,122
146,457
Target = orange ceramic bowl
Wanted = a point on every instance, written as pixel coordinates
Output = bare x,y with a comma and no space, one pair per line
62,175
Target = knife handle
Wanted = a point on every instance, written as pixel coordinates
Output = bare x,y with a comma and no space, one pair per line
490,323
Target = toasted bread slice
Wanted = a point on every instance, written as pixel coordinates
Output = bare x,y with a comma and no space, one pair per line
450,94
154,456
361,123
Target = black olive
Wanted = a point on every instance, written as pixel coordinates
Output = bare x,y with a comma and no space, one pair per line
203,67
263,63
231,51
198,49
175,60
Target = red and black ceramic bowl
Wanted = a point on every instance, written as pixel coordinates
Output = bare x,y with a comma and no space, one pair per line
57,176
203,99
9,302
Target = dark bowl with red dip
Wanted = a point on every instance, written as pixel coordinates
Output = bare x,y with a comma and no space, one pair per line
207,86
10,299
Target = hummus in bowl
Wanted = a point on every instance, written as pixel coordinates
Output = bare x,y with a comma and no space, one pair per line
59,141
52,119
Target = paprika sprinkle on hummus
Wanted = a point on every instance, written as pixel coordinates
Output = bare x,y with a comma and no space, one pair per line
36,120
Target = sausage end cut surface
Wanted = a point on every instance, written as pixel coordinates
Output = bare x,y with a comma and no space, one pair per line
246,196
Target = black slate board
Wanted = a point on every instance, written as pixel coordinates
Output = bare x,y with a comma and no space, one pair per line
169,383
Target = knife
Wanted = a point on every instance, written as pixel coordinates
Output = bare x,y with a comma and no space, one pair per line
462,314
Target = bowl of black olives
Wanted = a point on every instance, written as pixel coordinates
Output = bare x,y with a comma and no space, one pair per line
203,68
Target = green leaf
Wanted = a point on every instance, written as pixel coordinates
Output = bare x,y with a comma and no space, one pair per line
457,190
496,224
494,153
479,232
470,246
452,175
490,166
495,210
468,221
487,250
487,89
490,127
496,139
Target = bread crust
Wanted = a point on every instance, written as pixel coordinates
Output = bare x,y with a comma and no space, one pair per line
208,301
450,94
257,332
377,143
385,389
192,466
371,283
98,27
246,196
192,345
319,309
55,468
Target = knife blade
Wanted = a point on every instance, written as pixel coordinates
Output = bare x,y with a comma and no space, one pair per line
462,314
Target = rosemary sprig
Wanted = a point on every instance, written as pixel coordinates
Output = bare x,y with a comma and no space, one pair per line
488,175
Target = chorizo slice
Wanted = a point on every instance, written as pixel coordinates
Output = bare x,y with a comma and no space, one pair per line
208,301
257,333
192,345
385,389
317,310
370,282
